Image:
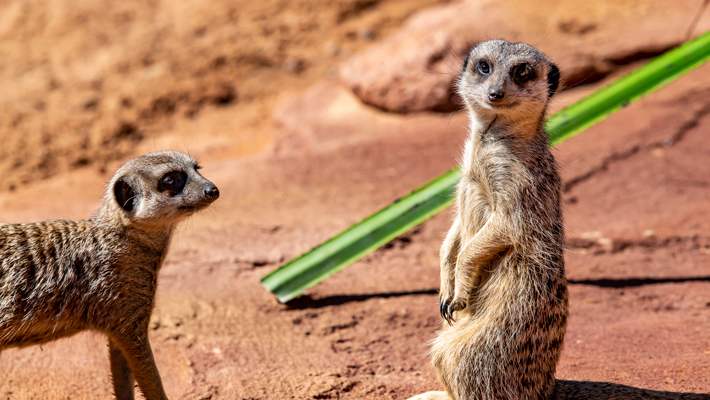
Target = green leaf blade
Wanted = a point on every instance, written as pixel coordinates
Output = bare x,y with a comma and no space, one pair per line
360,239
624,91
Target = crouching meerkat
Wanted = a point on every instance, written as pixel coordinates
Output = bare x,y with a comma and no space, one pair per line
58,278
503,287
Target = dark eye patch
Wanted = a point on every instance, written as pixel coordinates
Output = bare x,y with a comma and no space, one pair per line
483,67
523,73
553,79
173,182
125,195
465,63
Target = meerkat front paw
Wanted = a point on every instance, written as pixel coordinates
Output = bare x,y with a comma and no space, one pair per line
446,295
444,302
448,306
457,303
447,290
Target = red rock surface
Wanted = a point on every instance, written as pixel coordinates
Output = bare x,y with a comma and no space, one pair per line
414,69
638,200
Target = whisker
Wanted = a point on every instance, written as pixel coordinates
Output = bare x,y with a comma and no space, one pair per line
696,19
451,116
452,51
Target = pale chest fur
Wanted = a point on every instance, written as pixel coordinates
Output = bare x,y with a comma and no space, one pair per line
487,173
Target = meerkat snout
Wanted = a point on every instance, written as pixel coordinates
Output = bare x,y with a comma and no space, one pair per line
496,94
212,193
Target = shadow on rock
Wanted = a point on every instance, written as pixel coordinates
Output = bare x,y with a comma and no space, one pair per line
634,282
613,391
307,301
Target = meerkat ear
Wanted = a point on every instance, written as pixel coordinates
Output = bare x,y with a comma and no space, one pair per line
465,63
125,195
553,79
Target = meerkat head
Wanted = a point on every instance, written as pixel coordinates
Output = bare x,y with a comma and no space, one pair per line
160,188
507,79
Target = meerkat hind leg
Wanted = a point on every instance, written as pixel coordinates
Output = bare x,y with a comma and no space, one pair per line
120,373
139,357
432,396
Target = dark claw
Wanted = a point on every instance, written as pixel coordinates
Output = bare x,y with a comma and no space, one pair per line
444,309
450,311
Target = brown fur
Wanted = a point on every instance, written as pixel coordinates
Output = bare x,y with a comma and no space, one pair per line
58,278
503,286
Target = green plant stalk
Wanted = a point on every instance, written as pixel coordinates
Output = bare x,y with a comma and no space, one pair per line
646,79
311,268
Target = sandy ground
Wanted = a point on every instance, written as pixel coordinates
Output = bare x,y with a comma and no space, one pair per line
637,206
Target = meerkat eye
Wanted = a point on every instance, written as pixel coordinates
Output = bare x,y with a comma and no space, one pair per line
522,73
173,182
483,67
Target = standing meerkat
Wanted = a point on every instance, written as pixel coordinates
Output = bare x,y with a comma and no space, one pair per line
503,287
58,278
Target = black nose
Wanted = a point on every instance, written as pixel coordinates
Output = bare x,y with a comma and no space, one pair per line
496,94
212,193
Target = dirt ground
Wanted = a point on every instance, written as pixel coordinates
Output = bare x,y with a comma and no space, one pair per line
251,88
